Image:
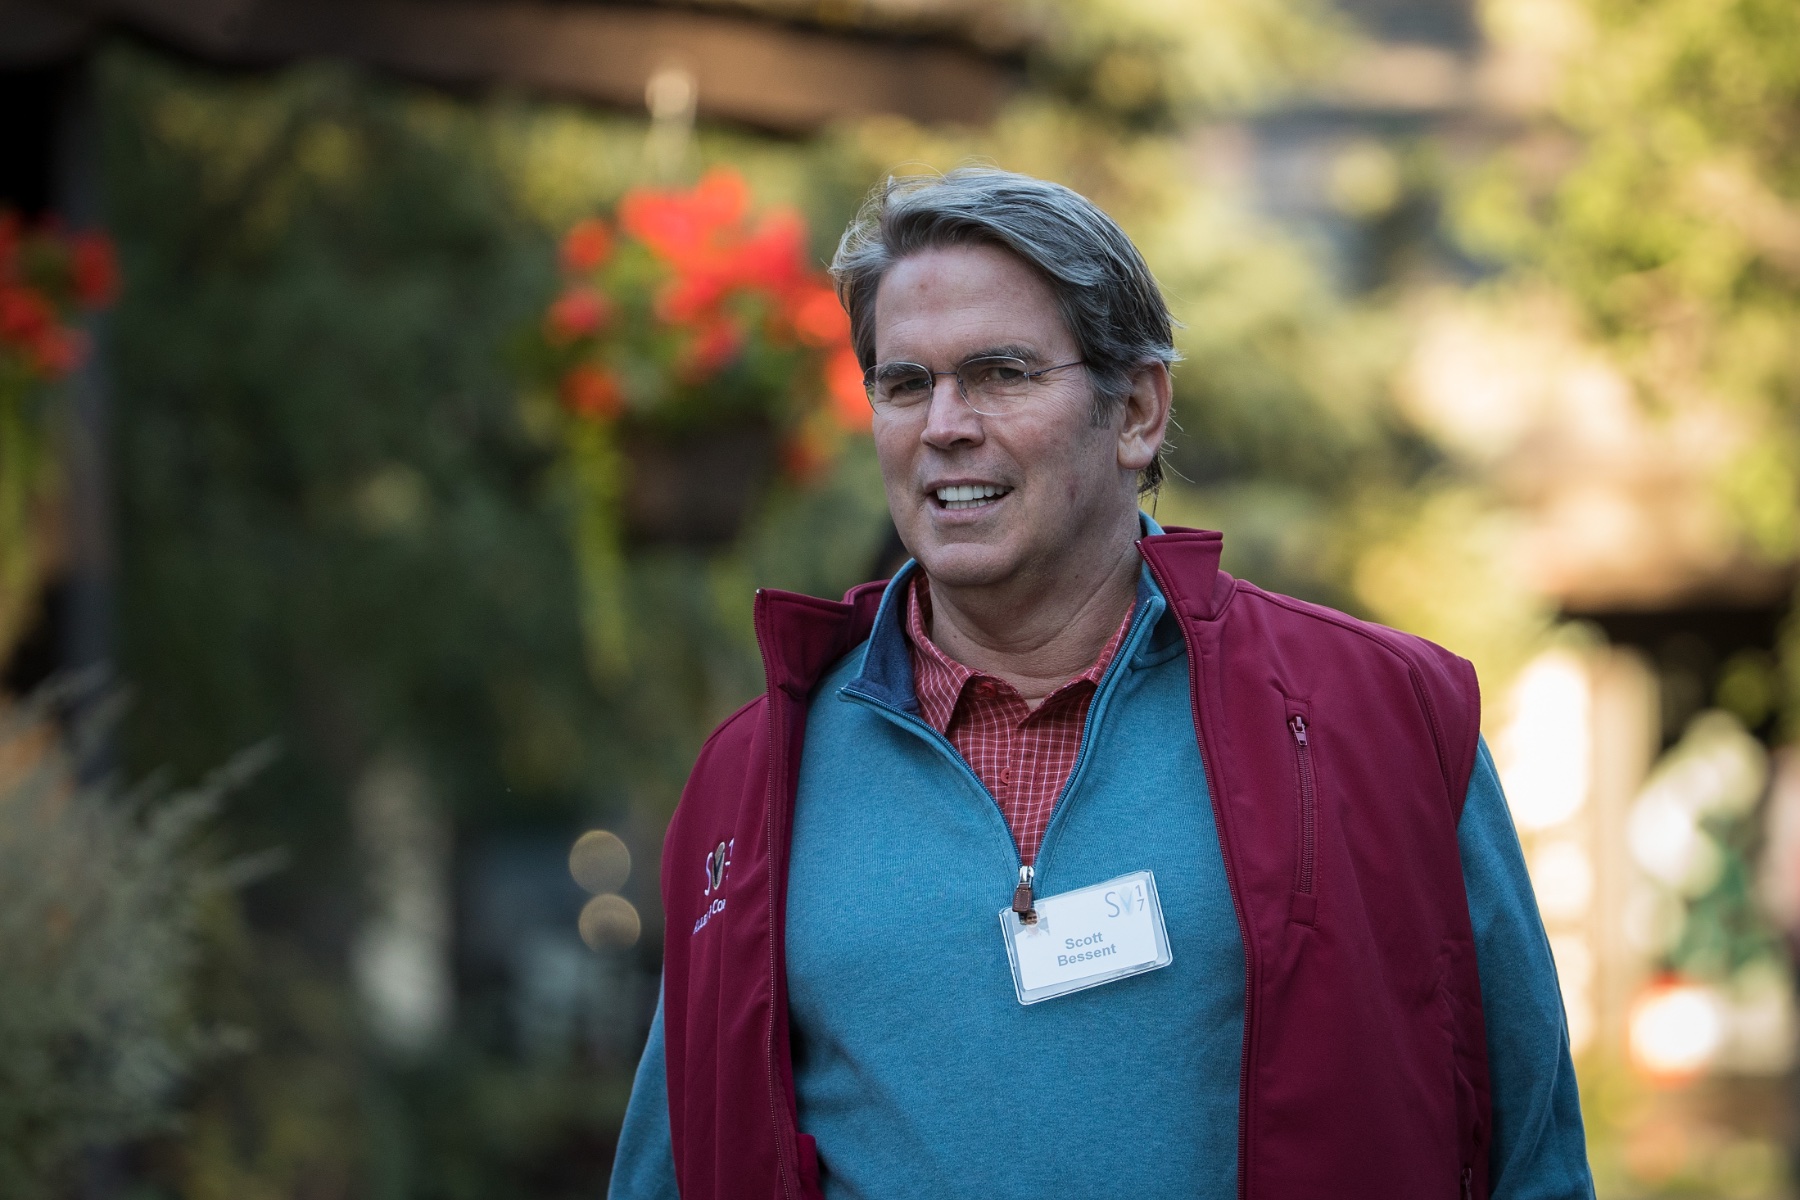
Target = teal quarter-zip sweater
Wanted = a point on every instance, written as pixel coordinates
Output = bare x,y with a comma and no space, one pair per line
915,1066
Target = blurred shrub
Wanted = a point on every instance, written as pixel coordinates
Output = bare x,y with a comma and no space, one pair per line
101,892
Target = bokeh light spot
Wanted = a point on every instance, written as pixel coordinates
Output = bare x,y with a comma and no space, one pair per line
1674,1030
610,922
599,861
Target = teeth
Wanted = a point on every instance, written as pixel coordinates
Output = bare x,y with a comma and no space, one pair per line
966,494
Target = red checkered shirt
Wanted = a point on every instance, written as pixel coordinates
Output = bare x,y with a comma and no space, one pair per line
1023,755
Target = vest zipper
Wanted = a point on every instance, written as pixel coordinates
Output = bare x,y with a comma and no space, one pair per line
1231,881
1468,1183
774,696
1308,805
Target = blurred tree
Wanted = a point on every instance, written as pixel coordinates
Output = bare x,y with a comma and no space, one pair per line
1659,194
338,528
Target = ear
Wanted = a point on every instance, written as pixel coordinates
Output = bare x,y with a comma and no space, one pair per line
1145,419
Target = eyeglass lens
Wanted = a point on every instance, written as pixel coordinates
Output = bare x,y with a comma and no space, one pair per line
983,381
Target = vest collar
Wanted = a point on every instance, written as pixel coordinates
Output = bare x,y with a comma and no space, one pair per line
1186,564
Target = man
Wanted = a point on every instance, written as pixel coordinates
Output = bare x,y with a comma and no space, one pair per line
1064,864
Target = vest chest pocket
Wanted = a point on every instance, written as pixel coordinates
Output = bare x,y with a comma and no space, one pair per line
1303,905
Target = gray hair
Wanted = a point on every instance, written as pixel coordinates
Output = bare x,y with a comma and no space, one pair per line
1109,300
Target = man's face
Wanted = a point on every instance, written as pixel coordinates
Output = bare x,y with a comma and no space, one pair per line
1061,488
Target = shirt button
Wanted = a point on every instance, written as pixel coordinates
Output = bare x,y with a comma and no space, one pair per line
1005,774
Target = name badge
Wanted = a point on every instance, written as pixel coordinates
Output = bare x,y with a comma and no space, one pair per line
1087,937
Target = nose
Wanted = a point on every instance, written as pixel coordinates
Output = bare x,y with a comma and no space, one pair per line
949,420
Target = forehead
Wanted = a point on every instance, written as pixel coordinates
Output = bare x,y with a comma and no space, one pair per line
943,305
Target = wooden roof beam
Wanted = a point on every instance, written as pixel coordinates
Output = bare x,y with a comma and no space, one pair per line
747,69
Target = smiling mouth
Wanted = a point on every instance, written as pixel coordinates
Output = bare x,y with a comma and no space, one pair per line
969,495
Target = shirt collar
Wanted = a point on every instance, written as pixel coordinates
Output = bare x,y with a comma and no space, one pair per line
940,681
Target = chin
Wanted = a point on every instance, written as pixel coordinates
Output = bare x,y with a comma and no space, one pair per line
965,565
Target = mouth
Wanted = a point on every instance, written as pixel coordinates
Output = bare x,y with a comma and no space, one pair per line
960,496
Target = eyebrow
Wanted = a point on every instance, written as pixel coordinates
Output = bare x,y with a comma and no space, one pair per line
1009,350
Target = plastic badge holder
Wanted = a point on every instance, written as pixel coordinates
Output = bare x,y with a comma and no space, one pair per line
1125,913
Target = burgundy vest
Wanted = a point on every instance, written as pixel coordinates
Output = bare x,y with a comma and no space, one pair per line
1364,1072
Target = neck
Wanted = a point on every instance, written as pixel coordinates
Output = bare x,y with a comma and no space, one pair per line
1038,633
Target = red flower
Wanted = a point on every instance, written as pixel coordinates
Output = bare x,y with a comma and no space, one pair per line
9,244
844,384
95,269
819,319
55,351
774,257
586,246
694,294
804,457
25,315
713,347
588,391
720,277
721,197
688,229
579,312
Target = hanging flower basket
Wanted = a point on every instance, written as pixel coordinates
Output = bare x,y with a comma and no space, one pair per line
695,488
47,275
694,353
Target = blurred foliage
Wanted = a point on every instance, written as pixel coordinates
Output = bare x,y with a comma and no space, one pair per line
104,890
1156,64
1659,195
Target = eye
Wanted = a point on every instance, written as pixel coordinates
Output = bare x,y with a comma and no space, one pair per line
994,372
902,381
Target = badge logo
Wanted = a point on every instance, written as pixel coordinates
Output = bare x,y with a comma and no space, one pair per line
716,865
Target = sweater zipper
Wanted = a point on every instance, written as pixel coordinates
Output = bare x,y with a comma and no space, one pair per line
1230,882
775,747
1022,901
1027,875
1308,804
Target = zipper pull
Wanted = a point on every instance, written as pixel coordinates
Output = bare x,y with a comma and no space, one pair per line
1298,724
1022,898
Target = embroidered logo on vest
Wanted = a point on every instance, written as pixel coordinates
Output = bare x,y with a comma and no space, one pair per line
718,862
